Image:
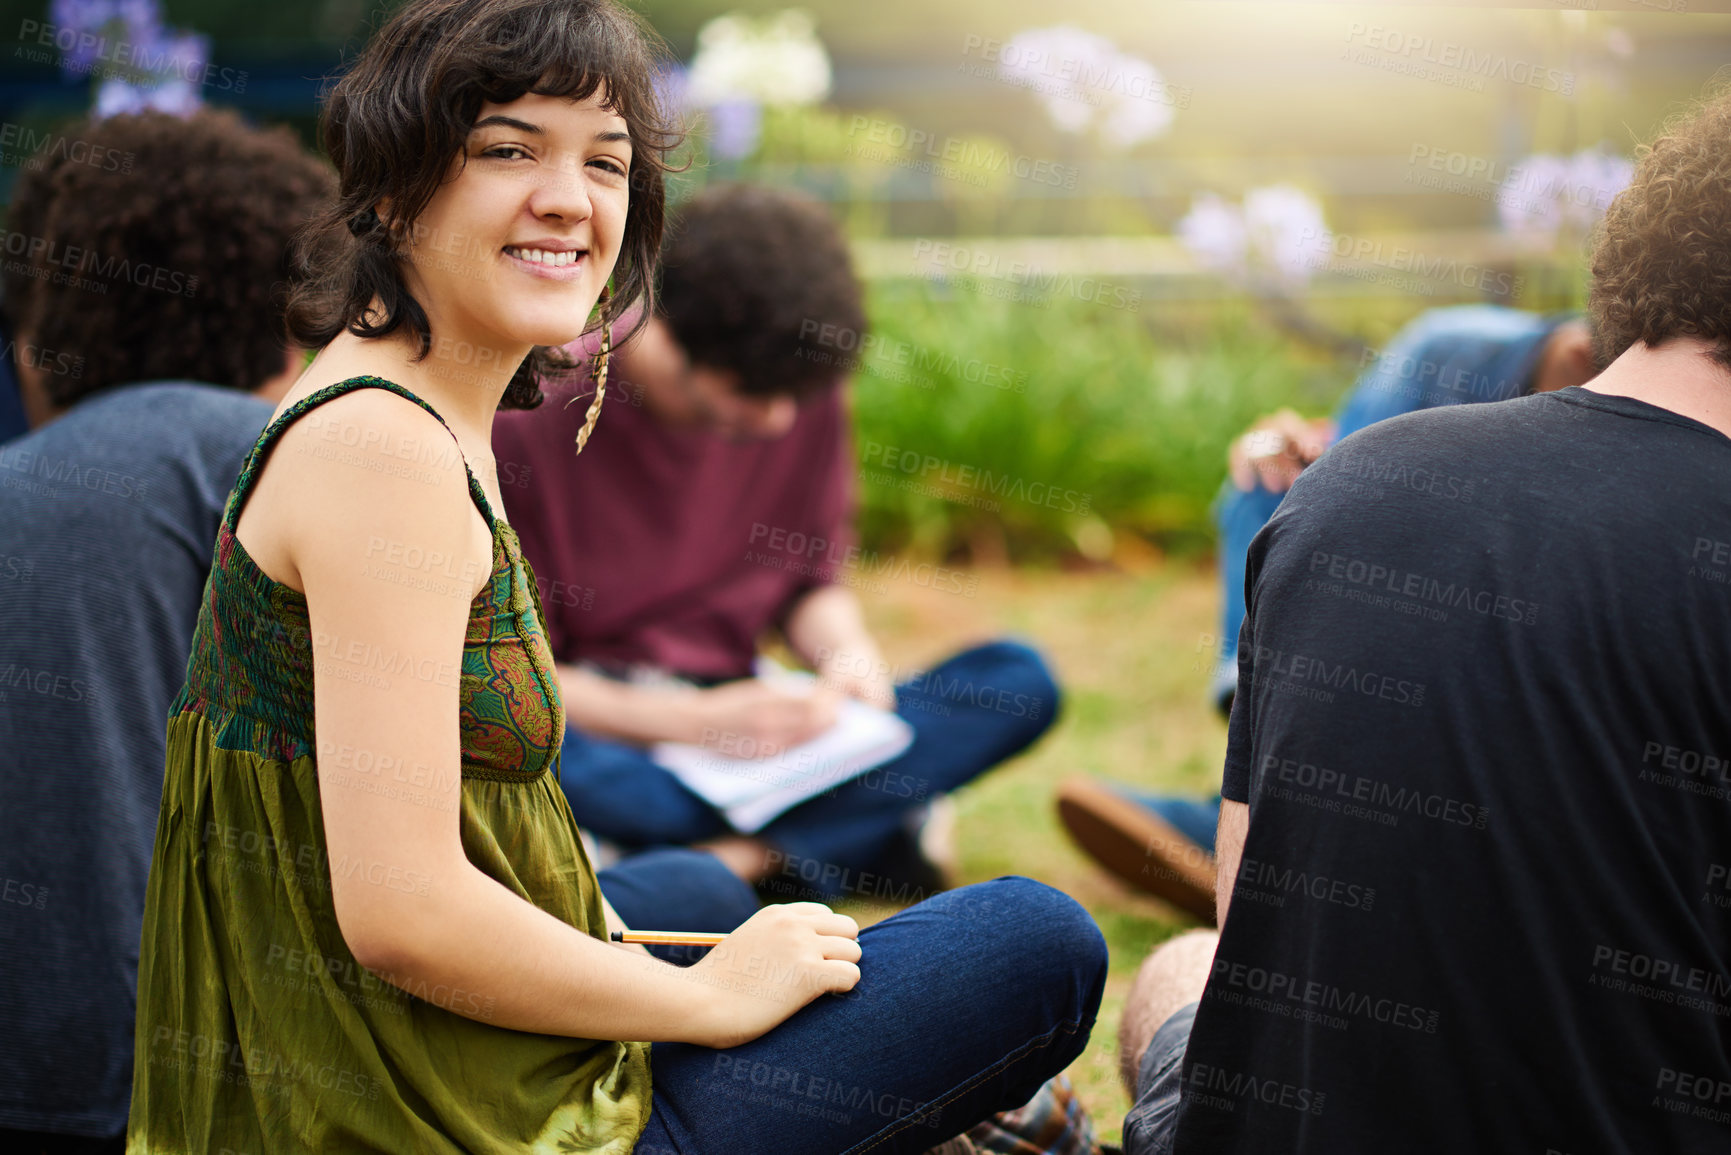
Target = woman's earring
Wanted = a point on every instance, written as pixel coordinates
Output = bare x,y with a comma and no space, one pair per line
600,374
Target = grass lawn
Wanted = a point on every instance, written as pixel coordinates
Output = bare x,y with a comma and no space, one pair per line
1133,656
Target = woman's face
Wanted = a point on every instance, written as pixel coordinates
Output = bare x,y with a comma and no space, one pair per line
518,242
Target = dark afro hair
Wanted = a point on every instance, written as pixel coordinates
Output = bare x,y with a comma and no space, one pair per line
1662,261
757,281
150,247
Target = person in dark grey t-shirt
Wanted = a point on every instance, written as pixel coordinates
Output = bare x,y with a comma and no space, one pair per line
1475,853
147,367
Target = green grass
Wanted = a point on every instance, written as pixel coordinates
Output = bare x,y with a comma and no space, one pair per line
1125,648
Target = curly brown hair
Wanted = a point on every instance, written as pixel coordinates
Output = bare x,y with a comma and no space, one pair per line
1662,260
396,121
758,281
166,257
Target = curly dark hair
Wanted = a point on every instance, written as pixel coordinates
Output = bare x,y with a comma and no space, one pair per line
758,281
1662,260
396,121
152,247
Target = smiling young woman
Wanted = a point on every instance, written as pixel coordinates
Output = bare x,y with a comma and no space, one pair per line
370,923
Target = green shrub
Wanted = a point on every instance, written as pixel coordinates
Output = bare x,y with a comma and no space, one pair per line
1003,429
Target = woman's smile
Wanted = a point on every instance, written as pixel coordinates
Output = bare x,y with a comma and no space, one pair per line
550,260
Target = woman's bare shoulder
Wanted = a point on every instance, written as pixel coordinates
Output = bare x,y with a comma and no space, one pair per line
367,466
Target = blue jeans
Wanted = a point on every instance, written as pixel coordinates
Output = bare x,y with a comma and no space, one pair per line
1240,516
966,1004
1149,1127
968,714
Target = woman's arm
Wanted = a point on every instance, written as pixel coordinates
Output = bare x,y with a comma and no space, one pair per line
456,929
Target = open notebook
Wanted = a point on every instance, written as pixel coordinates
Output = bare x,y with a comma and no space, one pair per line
751,792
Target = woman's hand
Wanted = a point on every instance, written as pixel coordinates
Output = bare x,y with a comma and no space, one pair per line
779,960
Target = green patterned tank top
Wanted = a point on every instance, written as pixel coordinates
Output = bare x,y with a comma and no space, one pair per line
257,1030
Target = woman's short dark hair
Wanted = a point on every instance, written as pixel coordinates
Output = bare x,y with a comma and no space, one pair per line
1662,261
758,281
147,247
395,122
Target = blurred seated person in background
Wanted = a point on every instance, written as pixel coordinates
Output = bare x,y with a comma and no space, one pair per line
1497,917
150,349
715,504
1455,356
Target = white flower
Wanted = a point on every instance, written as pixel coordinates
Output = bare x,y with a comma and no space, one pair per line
1141,111
775,61
1285,226
1086,83
1214,232
1052,63
1278,232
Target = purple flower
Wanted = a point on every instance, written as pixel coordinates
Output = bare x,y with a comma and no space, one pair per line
735,127
172,55
139,14
1547,193
1595,179
139,62
80,15
82,23
672,86
96,27
119,98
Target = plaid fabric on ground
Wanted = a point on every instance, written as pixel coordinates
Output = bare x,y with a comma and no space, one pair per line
1054,1122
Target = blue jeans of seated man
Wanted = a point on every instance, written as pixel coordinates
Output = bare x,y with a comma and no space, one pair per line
966,1004
1150,1127
968,714
1240,516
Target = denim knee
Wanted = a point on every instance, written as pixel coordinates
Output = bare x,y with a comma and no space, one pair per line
1021,673
1056,940
730,899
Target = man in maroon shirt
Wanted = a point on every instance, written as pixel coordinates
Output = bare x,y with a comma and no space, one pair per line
713,505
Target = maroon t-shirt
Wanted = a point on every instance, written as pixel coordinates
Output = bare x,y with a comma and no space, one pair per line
673,547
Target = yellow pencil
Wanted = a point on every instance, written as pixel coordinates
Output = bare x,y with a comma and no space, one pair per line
668,937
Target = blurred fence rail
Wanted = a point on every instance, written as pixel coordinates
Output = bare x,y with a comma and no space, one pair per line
1167,258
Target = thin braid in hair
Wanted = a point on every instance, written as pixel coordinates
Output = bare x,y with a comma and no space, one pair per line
594,414
600,373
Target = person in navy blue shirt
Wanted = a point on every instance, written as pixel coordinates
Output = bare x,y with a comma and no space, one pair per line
144,345
1462,355
12,422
